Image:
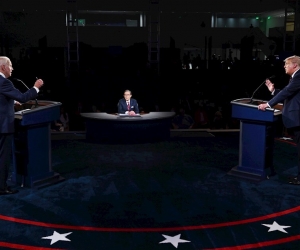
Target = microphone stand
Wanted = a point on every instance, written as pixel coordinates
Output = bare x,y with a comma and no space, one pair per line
36,102
251,99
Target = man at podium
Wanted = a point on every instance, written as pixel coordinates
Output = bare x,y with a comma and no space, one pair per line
8,95
128,105
290,97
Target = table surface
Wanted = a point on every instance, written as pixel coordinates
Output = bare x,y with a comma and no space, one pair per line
116,117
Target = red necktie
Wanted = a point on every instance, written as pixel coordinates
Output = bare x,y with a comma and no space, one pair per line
128,106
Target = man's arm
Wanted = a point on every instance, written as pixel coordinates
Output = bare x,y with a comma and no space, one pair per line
136,108
120,109
9,90
274,92
291,89
271,87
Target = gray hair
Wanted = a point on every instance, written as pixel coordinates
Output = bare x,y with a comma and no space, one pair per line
127,90
4,60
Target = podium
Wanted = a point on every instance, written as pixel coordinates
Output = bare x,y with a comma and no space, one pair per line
32,144
256,138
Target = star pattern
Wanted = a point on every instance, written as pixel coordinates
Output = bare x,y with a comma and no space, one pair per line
174,240
57,237
286,138
276,227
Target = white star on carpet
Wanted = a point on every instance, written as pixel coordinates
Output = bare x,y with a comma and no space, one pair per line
286,138
276,227
57,237
174,240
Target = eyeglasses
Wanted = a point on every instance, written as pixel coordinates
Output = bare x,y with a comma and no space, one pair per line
127,94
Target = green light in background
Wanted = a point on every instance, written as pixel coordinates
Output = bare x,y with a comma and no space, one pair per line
269,17
81,22
257,18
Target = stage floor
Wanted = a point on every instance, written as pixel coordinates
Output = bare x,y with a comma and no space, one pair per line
164,195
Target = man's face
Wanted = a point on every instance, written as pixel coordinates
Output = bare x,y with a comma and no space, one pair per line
127,95
7,69
290,67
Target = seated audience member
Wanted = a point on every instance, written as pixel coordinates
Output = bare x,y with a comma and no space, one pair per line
95,109
182,120
57,126
142,110
64,118
201,118
128,105
218,121
76,120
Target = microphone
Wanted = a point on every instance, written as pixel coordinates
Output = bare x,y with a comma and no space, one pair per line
36,102
251,99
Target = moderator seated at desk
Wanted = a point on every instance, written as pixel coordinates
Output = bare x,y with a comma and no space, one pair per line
149,126
128,105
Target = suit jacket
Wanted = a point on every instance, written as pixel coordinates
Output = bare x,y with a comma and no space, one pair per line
290,97
8,94
122,106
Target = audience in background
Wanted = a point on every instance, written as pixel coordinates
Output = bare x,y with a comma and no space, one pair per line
196,88
56,126
95,109
201,118
218,121
64,118
182,120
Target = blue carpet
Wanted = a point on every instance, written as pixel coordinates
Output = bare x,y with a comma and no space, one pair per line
140,196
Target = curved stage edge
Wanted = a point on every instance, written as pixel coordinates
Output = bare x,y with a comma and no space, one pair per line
104,127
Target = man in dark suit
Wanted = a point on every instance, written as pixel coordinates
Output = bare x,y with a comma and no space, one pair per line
128,105
8,96
290,96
